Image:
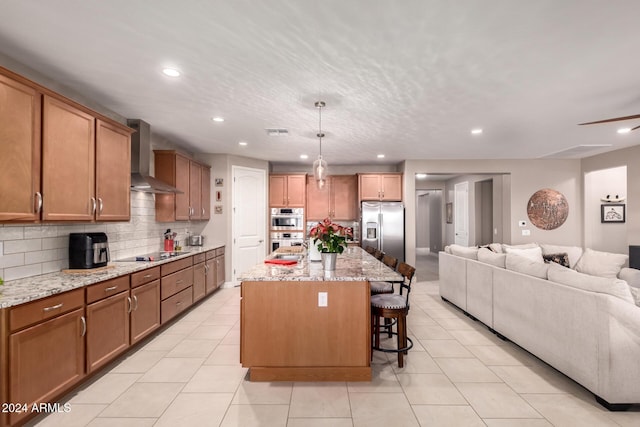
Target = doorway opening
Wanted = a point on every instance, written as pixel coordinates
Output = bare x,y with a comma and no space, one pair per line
428,221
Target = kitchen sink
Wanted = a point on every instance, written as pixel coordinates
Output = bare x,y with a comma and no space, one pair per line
288,257
155,256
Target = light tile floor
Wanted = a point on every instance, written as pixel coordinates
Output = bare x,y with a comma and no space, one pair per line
457,374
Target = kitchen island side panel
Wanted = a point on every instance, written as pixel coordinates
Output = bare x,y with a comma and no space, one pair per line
282,325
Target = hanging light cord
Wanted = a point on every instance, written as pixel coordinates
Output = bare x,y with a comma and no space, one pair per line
320,104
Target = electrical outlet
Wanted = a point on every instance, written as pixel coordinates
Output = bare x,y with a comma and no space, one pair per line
522,223
526,232
322,299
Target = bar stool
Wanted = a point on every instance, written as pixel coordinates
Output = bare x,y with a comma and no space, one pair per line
370,250
394,306
384,287
378,254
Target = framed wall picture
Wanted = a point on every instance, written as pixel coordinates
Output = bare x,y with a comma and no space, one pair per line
219,182
449,212
611,212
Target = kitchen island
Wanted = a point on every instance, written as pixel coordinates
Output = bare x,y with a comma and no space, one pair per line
300,323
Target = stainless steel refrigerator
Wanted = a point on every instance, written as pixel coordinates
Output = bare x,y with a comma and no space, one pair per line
383,227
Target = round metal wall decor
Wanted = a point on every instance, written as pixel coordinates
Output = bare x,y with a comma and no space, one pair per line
547,209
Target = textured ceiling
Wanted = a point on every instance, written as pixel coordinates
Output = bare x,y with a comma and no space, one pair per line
409,79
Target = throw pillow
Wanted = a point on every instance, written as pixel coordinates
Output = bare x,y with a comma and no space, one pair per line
526,266
489,257
533,253
602,264
574,252
631,276
616,287
523,246
465,252
562,259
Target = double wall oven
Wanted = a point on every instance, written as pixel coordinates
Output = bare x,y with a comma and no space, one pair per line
287,227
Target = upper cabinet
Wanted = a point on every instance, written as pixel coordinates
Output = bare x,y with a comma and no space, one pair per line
82,178
206,192
287,191
186,175
20,112
382,186
338,199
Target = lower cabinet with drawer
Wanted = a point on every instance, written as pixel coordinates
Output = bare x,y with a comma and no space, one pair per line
46,349
108,310
199,276
176,288
215,269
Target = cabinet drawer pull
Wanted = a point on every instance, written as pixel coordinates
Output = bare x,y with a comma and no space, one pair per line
53,307
146,276
179,281
39,205
130,305
93,205
178,303
100,204
202,211
110,288
135,299
84,326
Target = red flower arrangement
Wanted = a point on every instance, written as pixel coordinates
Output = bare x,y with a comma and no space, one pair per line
329,236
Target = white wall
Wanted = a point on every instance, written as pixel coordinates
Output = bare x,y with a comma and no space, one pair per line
608,237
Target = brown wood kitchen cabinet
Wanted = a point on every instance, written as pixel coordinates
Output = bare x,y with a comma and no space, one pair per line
215,269
108,309
68,162
113,181
206,192
199,276
287,191
383,186
145,295
62,161
20,112
46,353
338,199
185,174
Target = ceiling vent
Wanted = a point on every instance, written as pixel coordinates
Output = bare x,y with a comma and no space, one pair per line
575,152
277,132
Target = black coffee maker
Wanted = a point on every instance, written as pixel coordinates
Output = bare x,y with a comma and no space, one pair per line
88,250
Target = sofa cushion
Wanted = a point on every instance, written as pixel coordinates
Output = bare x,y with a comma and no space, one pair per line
464,251
574,252
616,287
523,246
602,264
525,265
533,253
561,259
489,257
635,293
629,275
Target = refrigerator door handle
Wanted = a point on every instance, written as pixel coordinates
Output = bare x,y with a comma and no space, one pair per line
380,233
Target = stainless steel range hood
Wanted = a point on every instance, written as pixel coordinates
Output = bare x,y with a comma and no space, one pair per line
141,180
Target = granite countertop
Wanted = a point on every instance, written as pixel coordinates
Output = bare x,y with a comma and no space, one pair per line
353,265
20,291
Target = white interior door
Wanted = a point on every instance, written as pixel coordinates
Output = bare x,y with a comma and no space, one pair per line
249,218
461,217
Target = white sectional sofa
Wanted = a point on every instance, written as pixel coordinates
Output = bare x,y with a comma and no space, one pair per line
587,327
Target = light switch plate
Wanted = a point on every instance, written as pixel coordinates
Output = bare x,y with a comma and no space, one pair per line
526,232
322,299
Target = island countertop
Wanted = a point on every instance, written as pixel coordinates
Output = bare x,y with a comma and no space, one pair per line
353,265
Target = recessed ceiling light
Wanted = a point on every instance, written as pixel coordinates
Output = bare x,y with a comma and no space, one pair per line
381,156
421,175
171,72
476,131
624,130
242,143
304,156
218,119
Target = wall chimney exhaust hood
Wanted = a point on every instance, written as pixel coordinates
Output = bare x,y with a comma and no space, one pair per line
141,180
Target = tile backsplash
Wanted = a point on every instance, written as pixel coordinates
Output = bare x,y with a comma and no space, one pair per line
30,250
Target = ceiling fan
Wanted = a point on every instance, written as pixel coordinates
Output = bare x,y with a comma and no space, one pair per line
616,119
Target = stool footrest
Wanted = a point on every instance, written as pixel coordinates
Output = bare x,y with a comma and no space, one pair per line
396,350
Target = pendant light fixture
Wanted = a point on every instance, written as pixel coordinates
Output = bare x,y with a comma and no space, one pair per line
320,165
